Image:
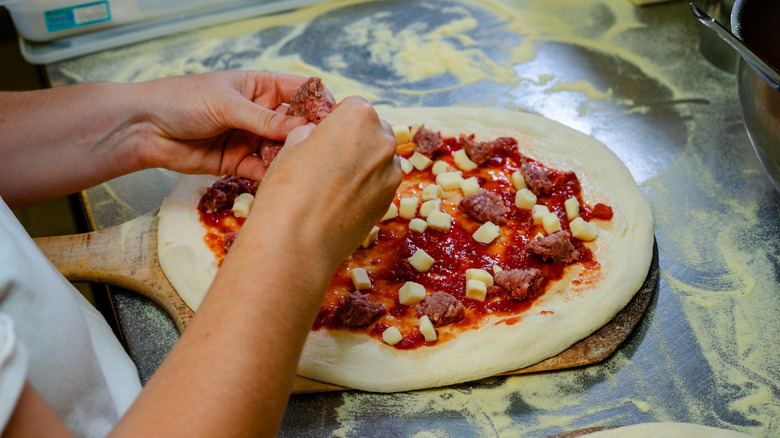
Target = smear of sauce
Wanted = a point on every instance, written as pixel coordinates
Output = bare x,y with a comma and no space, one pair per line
719,270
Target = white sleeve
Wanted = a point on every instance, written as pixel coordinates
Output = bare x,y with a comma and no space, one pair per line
74,358
13,369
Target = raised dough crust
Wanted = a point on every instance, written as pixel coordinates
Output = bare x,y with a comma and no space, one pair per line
624,250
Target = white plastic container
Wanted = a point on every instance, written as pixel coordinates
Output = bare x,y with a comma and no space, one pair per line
46,20
130,22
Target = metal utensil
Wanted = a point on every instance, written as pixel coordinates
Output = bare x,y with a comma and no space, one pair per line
762,68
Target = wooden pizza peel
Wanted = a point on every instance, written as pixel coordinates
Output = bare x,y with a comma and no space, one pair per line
126,256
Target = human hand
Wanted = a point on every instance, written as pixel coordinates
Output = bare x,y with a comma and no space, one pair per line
327,187
214,122
332,182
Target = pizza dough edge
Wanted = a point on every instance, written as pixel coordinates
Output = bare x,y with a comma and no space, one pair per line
352,360
348,360
184,257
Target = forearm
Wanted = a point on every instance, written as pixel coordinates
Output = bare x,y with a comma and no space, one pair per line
55,142
33,417
234,365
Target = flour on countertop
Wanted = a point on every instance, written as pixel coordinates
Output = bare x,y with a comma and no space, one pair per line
720,269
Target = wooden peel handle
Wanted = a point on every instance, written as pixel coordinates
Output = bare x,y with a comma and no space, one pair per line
124,256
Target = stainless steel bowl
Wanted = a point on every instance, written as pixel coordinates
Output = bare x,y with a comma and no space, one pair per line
755,21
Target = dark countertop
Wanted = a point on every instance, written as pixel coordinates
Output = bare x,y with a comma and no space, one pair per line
635,78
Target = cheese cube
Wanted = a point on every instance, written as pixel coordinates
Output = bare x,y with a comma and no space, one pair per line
487,233
429,206
408,207
518,180
418,225
242,204
431,192
439,220
525,199
402,133
420,161
463,161
392,336
496,269
406,166
476,290
371,238
392,213
449,180
481,275
551,223
572,206
582,230
427,329
360,278
538,211
440,167
469,186
421,261
411,293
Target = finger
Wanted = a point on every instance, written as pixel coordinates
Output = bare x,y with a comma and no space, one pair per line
264,122
239,145
351,100
299,134
251,167
287,85
388,129
397,162
268,89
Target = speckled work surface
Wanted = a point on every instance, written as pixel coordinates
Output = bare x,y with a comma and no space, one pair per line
707,351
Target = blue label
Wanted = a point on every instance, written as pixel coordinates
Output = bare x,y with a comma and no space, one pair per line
77,16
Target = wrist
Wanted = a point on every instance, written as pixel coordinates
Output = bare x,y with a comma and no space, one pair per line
282,239
139,133
115,125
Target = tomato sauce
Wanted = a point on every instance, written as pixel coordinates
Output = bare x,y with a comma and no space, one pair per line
217,226
454,251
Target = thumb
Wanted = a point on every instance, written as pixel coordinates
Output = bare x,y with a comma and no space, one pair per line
299,134
264,122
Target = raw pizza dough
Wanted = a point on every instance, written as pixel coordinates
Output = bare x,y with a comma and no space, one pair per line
666,430
565,314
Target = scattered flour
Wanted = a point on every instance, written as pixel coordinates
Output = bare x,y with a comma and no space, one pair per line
716,217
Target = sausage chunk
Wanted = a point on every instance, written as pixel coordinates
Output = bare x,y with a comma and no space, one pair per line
427,141
224,191
536,178
355,310
313,101
485,206
481,151
518,284
556,247
442,308
269,149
